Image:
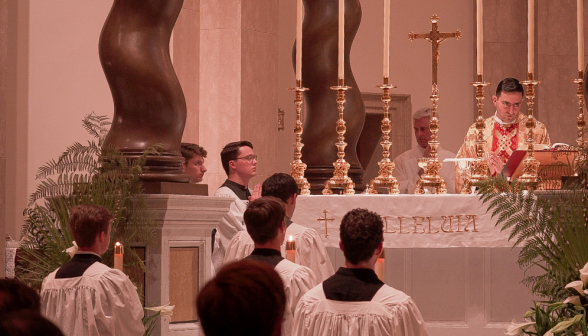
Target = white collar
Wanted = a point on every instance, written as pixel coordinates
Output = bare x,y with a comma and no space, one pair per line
502,123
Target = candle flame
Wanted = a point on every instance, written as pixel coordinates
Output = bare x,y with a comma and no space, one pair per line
117,244
290,238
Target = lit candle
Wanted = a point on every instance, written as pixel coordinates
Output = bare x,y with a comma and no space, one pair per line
341,49
580,35
291,249
386,38
479,37
531,37
379,269
118,256
299,40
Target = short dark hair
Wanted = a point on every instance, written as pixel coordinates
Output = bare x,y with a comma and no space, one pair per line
27,323
361,232
86,221
245,298
263,218
279,185
231,152
189,150
15,295
509,85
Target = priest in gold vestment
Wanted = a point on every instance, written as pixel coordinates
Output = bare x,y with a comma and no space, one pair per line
504,132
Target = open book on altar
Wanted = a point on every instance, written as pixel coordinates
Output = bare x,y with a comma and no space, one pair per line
553,164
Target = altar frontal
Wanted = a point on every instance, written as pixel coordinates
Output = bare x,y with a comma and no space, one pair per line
410,221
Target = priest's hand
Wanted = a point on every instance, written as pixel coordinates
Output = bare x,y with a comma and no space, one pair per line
427,152
496,164
256,193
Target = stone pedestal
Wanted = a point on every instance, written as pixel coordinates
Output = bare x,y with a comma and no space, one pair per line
178,262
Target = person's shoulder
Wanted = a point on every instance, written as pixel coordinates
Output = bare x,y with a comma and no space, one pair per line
391,296
224,192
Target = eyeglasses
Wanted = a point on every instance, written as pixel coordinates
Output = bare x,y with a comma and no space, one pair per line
248,158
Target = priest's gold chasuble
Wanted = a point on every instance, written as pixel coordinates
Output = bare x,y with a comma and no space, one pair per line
501,139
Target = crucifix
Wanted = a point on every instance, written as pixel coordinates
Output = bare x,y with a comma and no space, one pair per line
326,219
431,165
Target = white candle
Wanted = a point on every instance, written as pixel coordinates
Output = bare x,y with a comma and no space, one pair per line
299,39
118,256
341,49
580,34
531,37
291,249
386,38
479,37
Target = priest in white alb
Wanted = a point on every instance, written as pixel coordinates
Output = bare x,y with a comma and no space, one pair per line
505,131
407,170
84,296
354,302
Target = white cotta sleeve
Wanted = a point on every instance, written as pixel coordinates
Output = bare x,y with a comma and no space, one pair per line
231,222
303,280
311,252
400,174
407,319
120,311
240,247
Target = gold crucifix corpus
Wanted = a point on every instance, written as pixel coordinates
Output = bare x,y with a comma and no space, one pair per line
435,37
326,219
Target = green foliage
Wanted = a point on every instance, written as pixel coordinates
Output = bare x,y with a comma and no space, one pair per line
85,174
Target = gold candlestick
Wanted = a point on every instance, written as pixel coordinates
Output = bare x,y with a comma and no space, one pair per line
530,177
298,167
340,178
581,122
431,177
385,179
480,169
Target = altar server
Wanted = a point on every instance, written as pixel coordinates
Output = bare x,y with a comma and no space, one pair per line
240,163
505,131
354,302
84,296
310,248
407,170
264,219
193,164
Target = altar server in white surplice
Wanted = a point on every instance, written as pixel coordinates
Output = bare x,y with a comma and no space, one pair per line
84,296
240,163
407,170
310,249
264,219
354,302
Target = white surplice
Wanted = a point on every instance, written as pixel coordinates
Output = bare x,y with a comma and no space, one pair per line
390,313
310,249
101,302
406,169
229,225
297,281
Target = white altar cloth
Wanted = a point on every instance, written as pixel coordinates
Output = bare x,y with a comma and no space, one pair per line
410,221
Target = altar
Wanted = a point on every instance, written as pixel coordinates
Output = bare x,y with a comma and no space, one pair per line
442,250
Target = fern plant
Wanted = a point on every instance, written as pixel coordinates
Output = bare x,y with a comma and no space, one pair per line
84,174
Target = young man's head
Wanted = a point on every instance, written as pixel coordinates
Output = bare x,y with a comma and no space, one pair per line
264,219
193,165
508,99
245,298
90,227
361,233
239,161
284,187
15,295
420,122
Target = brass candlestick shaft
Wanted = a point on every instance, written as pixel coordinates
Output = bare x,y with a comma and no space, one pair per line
431,177
298,167
530,177
581,121
385,179
480,169
340,178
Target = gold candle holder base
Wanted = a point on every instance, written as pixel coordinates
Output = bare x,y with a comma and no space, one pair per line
385,179
580,123
340,178
479,169
431,165
530,176
298,167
